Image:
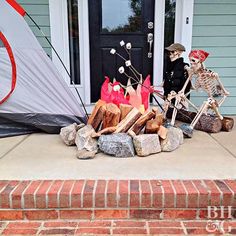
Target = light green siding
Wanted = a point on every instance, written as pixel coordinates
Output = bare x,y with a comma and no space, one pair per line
214,30
39,11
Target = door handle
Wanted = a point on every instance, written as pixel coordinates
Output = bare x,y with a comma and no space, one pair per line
150,42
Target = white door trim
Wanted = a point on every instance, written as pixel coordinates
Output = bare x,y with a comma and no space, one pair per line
158,53
60,41
84,49
184,24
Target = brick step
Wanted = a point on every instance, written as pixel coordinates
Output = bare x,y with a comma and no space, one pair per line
114,227
117,199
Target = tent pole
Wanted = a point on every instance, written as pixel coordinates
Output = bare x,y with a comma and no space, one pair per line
60,61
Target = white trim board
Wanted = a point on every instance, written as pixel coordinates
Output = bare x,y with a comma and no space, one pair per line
184,24
60,41
158,53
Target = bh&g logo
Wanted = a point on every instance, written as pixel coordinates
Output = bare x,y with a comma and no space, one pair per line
217,216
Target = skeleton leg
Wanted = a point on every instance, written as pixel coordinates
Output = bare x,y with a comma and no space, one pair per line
192,104
220,102
177,102
167,102
166,106
203,108
215,109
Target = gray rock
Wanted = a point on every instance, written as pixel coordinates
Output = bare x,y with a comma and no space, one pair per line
84,154
84,140
146,144
173,140
119,145
68,134
80,126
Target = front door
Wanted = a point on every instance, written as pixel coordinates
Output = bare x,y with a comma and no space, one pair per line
111,21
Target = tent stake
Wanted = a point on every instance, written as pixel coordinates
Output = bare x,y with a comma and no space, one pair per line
60,61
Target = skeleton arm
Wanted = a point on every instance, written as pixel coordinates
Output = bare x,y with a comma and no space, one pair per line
225,92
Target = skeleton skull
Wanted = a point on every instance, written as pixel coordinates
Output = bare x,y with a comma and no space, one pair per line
174,55
195,64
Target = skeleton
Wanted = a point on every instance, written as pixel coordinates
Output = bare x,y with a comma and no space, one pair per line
207,81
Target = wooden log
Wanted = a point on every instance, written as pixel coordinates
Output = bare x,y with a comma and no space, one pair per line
96,116
141,122
162,132
108,130
156,110
111,116
128,121
159,118
152,126
209,124
227,124
206,123
182,115
125,109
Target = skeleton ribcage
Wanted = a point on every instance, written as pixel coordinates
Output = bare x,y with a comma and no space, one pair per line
207,83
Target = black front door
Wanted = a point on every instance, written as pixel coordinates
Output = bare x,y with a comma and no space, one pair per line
112,21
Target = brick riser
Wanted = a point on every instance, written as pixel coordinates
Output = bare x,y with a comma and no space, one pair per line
113,200
111,227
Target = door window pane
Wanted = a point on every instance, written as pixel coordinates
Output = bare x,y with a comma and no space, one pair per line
121,16
74,40
170,6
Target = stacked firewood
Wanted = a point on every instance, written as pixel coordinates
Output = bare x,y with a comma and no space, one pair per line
107,118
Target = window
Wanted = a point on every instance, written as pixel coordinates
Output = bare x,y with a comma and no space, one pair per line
119,16
73,27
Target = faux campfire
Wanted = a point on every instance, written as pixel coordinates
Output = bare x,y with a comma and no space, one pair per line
122,131
122,124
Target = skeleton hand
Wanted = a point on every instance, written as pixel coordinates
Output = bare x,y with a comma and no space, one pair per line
186,67
189,70
171,95
181,92
226,93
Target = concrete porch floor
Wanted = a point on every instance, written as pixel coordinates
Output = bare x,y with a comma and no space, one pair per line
43,156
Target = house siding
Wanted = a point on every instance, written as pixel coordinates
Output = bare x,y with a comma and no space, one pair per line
39,11
214,30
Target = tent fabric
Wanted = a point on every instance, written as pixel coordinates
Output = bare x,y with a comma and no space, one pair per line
41,99
13,64
17,7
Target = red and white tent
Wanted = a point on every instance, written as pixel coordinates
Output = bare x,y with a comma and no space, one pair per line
33,95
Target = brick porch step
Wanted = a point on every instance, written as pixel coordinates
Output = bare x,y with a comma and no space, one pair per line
145,202
111,227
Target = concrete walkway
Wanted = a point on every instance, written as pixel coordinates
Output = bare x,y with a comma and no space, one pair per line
43,156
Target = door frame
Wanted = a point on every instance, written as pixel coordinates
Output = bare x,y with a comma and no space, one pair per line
60,40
